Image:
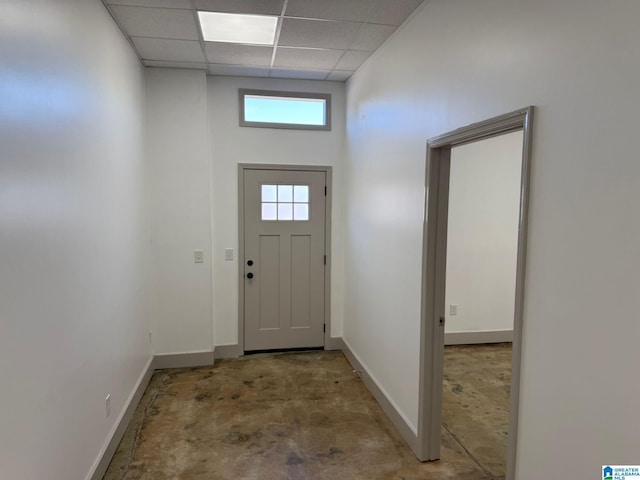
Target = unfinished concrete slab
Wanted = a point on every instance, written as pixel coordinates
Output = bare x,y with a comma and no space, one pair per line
272,416
475,402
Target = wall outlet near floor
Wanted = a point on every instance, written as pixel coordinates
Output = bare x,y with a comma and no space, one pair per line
453,310
107,402
198,256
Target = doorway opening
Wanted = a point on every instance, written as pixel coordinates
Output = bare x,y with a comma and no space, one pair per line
435,308
482,247
284,256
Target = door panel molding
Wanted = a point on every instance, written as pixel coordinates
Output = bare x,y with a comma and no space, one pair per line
328,344
434,273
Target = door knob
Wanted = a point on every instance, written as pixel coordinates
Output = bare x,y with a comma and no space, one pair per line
249,275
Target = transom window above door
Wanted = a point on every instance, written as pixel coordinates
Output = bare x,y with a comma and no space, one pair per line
294,110
285,202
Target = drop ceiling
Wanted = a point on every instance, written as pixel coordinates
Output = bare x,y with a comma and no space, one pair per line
315,39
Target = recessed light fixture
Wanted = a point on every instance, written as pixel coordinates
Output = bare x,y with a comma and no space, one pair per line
236,28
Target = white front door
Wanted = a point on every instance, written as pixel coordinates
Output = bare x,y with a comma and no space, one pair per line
284,259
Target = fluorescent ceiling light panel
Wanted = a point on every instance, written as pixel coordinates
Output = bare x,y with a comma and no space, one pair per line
235,28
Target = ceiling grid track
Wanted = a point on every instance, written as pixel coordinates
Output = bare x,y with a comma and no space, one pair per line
279,29
197,20
314,39
344,52
126,35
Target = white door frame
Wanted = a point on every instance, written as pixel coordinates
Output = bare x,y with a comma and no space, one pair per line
434,276
327,242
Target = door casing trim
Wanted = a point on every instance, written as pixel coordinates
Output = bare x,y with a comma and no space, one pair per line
433,278
328,170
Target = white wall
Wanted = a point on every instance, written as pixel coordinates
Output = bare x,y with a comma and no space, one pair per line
231,145
462,61
482,234
194,148
180,198
73,235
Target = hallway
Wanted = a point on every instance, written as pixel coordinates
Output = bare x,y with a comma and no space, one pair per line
277,416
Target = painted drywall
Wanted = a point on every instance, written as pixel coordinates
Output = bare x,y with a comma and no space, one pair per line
482,234
194,147
457,62
73,235
231,145
180,198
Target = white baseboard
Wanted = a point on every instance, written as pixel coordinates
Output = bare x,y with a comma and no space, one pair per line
389,407
158,362
182,360
228,351
470,338
334,343
117,432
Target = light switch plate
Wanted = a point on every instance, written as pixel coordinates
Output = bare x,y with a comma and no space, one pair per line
228,254
198,256
453,310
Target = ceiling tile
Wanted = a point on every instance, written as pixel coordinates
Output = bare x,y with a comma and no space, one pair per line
238,71
318,33
186,4
352,59
319,39
299,74
168,50
257,7
157,22
306,58
392,12
339,75
372,36
351,10
233,54
162,64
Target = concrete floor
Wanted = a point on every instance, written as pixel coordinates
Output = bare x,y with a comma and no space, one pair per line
475,402
282,416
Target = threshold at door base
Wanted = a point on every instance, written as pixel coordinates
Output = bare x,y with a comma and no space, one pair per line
283,350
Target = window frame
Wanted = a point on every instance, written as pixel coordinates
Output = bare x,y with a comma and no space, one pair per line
293,203
242,92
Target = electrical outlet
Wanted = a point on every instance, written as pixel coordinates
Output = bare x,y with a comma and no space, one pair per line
198,256
107,402
453,310
228,254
